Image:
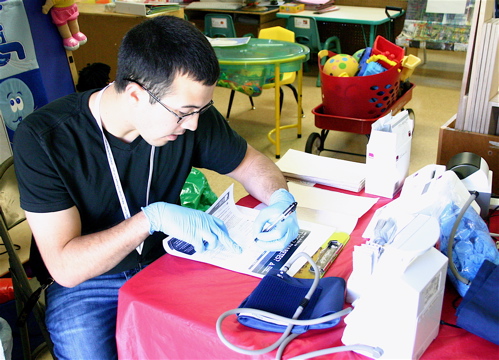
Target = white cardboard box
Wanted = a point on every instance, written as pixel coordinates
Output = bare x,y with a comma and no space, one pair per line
400,312
389,154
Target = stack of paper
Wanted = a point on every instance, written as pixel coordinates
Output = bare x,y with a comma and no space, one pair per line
484,86
336,209
479,91
341,174
221,42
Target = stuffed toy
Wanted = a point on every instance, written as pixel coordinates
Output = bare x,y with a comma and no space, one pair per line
65,16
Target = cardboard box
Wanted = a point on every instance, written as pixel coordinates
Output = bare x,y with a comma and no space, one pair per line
143,9
291,8
452,141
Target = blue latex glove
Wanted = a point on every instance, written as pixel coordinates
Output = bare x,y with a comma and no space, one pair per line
201,230
285,232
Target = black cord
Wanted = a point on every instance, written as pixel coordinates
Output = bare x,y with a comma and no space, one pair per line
16,247
449,324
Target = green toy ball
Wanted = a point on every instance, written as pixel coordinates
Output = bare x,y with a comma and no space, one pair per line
341,65
358,54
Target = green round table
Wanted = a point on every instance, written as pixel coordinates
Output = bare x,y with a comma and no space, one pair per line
248,67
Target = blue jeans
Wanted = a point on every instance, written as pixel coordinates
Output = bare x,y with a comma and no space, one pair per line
82,320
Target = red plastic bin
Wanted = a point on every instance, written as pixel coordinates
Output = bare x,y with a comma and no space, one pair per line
323,120
362,97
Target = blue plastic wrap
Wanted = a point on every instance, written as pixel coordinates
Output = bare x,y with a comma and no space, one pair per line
472,244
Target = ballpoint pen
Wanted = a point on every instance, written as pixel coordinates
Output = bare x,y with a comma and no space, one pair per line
289,210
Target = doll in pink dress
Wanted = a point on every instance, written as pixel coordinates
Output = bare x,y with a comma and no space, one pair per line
65,16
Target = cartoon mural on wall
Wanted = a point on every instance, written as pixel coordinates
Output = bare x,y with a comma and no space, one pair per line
7,48
21,86
16,102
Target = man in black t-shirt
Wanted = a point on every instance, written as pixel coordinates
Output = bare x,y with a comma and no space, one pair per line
100,175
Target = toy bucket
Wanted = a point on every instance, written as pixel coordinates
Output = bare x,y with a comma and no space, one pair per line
363,97
384,47
409,63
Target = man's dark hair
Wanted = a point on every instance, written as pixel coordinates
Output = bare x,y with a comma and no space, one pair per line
156,51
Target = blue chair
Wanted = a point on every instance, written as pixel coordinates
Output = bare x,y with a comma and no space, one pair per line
282,34
219,25
222,25
307,33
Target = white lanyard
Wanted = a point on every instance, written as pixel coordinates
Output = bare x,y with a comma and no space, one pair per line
114,169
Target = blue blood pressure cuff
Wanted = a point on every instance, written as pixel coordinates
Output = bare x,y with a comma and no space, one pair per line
281,294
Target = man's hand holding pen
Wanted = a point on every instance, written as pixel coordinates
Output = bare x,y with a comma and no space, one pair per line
277,225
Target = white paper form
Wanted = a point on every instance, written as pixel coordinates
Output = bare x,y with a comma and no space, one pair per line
332,208
253,260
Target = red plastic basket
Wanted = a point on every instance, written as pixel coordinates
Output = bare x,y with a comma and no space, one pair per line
327,121
364,97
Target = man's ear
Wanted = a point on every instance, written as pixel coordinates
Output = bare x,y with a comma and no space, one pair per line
136,93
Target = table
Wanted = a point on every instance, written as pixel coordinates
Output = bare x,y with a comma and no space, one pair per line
370,16
245,22
260,61
169,311
437,31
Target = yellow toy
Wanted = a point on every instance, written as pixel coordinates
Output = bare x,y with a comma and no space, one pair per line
65,16
341,65
409,63
378,58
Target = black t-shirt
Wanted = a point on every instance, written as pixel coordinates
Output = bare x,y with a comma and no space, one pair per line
60,162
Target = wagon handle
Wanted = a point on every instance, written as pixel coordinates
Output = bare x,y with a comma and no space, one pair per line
393,8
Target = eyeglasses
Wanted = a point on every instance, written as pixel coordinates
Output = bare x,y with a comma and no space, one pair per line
179,117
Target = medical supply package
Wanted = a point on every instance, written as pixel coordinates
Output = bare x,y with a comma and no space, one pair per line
389,154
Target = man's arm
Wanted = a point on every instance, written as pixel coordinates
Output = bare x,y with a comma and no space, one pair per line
264,181
259,175
72,258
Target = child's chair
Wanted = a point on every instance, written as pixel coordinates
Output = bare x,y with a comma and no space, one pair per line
280,33
275,33
307,33
222,25
219,25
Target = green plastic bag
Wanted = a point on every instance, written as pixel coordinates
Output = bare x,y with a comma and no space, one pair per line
196,192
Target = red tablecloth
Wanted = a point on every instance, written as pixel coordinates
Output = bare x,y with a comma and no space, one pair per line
169,311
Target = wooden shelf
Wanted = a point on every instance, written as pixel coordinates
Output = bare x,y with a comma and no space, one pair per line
104,31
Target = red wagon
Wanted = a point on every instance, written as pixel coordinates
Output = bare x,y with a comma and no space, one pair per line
353,104
326,122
